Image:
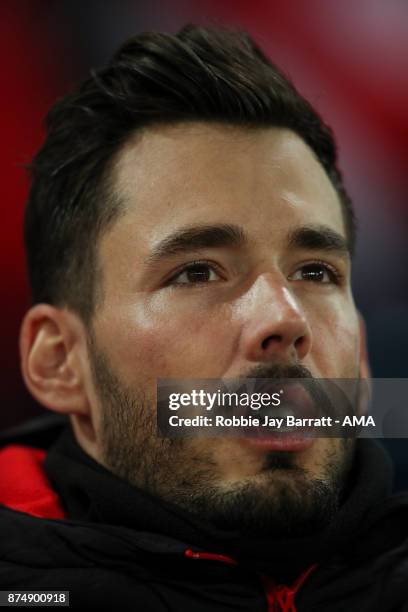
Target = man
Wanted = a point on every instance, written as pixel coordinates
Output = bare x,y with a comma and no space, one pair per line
187,220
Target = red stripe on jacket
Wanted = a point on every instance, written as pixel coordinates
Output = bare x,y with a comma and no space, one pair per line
24,485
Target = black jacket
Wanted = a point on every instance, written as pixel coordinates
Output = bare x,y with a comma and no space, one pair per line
67,523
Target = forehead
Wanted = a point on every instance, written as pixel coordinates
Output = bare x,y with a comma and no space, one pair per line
265,179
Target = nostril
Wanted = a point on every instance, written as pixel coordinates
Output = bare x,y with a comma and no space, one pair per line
267,340
299,342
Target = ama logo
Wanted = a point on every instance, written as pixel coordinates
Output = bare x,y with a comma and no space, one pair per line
362,421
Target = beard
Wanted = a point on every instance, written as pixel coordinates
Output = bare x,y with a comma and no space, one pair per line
282,499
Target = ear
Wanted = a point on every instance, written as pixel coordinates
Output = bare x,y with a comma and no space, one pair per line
364,368
52,361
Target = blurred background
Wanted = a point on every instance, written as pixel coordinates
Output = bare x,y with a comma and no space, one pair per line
350,59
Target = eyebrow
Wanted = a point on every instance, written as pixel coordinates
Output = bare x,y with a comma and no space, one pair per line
193,238
319,238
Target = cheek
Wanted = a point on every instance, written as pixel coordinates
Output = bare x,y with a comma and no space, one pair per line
147,341
335,349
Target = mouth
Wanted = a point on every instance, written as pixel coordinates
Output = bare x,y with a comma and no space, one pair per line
297,405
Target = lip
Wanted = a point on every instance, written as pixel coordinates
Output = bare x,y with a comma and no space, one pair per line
280,442
295,393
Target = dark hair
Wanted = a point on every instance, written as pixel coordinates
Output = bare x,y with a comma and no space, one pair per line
198,74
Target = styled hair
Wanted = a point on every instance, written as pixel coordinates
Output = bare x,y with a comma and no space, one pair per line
199,74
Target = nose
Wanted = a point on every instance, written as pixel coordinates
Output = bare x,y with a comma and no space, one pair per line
275,326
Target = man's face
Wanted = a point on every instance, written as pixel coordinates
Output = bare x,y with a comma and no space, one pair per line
227,262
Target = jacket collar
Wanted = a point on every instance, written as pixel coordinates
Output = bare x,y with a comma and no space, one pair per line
90,492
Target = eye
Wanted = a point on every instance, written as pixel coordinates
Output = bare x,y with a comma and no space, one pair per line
194,274
316,273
